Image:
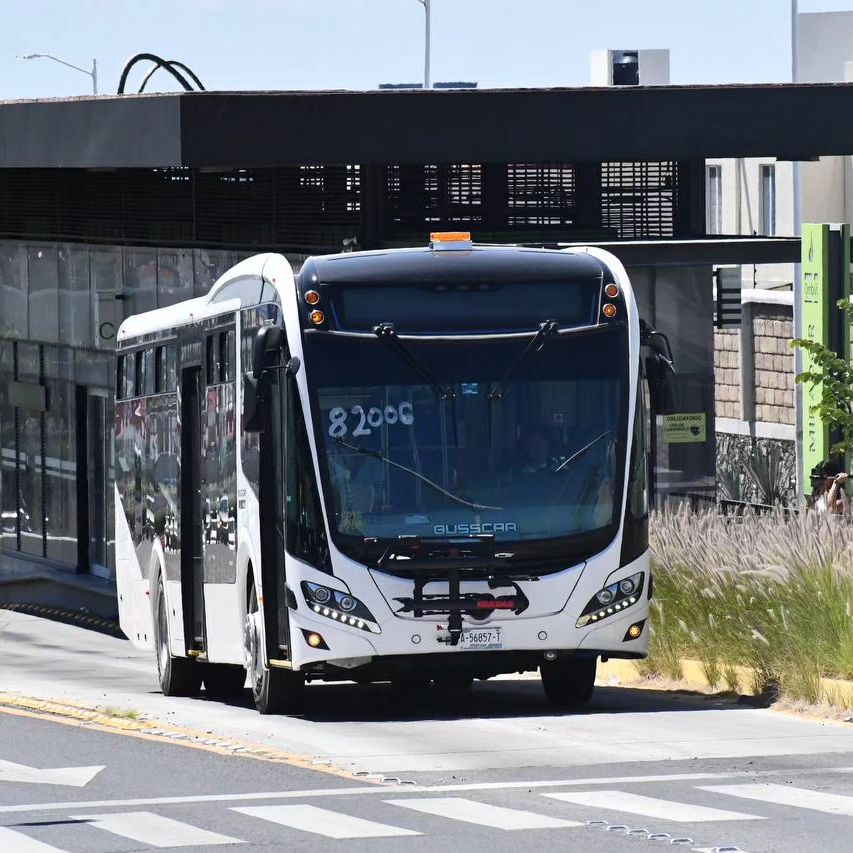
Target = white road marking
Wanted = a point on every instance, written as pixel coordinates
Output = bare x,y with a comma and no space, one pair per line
75,777
17,842
155,830
623,801
785,795
324,822
482,814
371,789
409,789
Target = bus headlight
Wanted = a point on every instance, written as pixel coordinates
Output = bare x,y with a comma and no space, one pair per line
339,607
613,599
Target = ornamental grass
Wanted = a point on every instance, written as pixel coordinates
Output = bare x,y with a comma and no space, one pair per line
773,593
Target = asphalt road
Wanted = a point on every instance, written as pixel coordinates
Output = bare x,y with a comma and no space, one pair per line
485,769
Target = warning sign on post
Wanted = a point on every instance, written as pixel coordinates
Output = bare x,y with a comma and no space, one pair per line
686,428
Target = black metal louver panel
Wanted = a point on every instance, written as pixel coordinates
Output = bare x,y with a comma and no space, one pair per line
91,204
639,199
317,206
235,208
420,198
158,205
540,194
30,202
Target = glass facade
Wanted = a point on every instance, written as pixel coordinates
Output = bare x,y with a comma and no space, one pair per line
60,307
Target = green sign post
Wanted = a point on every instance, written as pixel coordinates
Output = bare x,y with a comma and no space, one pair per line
826,279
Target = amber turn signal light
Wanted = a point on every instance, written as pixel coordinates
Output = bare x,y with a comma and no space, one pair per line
611,290
312,297
609,310
317,317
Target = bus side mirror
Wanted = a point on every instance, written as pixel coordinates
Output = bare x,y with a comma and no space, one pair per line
252,407
267,344
660,373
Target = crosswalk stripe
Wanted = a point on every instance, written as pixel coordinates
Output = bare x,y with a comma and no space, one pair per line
17,842
324,822
155,830
496,817
649,806
784,795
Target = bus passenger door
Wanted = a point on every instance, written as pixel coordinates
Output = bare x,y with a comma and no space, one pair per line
271,499
192,578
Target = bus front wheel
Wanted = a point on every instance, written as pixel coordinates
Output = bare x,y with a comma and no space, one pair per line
568,681
178,676
275,691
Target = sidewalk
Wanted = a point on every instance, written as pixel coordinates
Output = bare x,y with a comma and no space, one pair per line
25,582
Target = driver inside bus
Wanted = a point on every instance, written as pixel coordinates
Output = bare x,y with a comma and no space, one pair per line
533,452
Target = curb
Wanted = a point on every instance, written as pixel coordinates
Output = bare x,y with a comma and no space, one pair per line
70,617
92,718
834,691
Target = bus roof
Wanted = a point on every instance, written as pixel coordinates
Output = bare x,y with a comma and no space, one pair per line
456,265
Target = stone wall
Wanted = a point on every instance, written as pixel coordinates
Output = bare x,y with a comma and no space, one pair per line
727,373
773,329
773,360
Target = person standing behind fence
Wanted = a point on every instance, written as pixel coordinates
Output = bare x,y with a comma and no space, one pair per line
829,495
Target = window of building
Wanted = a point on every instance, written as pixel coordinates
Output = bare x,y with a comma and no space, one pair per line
767,199
714,200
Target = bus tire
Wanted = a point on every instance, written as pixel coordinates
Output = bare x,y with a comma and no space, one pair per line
568,681
275,691
178,676
224,680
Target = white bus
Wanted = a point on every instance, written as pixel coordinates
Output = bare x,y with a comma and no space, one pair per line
413,465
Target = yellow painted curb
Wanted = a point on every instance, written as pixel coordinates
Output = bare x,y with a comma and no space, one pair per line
100,720
740,679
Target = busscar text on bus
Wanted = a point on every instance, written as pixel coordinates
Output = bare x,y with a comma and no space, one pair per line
422,465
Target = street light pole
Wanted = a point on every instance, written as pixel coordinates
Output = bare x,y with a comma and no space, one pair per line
426,5
93,73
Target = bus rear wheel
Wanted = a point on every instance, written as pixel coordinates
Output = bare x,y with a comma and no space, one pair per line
275,691
178,676
224,680
568,681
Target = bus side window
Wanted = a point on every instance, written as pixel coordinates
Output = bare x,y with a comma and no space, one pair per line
120,377
159,368
305,533
227,341
138,357
130,375
146,377
211,360
170,371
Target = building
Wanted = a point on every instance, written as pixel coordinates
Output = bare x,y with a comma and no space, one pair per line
170,191
754,365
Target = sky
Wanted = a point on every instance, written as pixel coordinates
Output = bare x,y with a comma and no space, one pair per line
357,44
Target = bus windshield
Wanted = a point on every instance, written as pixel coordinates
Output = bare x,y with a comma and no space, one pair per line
534,458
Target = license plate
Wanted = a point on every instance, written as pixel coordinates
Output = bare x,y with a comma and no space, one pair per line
482,638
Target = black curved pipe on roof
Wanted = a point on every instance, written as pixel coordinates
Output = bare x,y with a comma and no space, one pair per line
161,63
168,64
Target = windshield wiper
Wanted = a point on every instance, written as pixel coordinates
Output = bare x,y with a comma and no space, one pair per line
546,329
376,455
586,447
386,332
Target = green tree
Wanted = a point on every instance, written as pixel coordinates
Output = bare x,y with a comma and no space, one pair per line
832,378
